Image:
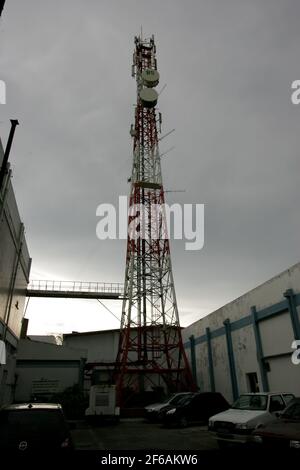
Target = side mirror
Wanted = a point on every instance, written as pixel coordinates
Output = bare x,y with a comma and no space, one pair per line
278,414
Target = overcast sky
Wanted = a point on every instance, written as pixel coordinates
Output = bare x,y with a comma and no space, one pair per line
228,66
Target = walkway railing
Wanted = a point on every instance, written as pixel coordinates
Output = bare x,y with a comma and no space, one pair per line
50,288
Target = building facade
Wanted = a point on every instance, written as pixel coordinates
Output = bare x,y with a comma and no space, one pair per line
14,277
250,344
45,369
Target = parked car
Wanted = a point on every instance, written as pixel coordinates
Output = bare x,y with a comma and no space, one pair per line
283,432
250,411
34,426
195,408
152,412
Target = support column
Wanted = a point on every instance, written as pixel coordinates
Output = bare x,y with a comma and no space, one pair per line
210,361
289,295
193,358
234,383
259,351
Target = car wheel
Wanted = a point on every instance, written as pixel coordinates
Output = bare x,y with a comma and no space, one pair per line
183,422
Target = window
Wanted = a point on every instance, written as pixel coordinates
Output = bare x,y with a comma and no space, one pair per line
31,422
292,412
288,397
276,403
177,398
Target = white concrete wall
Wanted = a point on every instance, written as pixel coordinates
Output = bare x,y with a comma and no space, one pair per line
276,335
27,376
221,367
244,348
101,346
284,375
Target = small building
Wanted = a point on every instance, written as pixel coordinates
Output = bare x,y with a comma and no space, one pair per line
247,345
102,349
45,369
52,339
101,346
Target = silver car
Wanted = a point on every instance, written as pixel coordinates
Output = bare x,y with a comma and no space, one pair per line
153,411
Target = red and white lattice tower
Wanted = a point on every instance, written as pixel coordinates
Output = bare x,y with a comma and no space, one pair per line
151,351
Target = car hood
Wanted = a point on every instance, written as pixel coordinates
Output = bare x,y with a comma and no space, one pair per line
238,416
281,428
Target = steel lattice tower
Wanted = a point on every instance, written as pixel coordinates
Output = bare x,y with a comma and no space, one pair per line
150,345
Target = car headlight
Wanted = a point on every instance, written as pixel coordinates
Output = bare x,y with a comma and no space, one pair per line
241,426
171,412
260,426
258,439
295,444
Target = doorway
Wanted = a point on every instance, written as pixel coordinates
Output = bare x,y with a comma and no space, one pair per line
252,382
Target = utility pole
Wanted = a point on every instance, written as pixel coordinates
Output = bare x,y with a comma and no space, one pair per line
14,123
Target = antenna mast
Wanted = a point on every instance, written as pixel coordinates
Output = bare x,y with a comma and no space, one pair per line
151,352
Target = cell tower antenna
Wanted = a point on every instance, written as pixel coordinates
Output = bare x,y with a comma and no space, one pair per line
163,88
167,151
166,135
175,191
151,352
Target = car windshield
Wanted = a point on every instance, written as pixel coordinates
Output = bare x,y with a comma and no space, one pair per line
169,398
33,422
288,397
178,398
292,412
185,399
251,402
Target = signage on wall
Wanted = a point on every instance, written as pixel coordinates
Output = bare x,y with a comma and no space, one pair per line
44,386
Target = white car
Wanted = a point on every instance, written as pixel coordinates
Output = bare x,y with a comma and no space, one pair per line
249,412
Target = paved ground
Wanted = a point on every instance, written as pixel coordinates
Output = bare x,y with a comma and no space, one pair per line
140,435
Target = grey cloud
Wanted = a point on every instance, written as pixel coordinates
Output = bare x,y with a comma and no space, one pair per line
228,67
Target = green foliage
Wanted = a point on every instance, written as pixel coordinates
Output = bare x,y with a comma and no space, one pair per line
73,401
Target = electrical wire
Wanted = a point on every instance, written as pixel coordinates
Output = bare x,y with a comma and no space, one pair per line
119,319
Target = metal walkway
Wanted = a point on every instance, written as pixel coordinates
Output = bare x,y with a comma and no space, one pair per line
75,289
